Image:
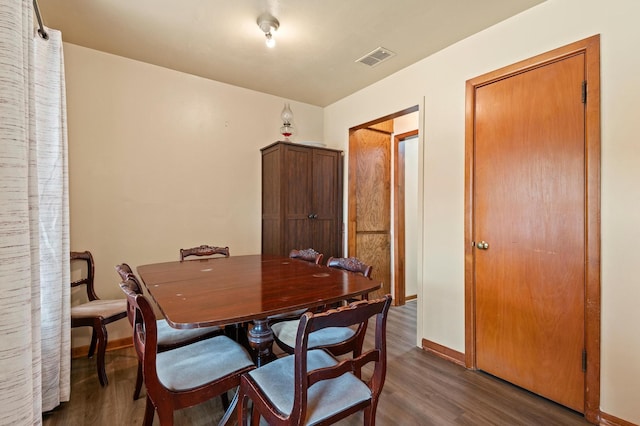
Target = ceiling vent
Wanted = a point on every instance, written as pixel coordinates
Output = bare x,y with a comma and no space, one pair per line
376,56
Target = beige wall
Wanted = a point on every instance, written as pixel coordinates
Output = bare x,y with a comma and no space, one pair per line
160,160
437,84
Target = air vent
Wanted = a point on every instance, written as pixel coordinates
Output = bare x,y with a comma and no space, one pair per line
375,57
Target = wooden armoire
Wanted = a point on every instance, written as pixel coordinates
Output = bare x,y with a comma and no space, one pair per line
301,199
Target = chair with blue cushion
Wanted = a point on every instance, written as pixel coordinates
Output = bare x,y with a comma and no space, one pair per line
95,312
168,337
308,255
338,340
311,386
185,376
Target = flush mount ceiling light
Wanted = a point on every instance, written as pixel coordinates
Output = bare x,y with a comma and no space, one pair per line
268,24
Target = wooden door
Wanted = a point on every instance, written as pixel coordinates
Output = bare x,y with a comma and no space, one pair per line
529,229
326,211
370,202
297,197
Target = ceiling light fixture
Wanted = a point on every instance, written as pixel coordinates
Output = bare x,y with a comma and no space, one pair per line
268,24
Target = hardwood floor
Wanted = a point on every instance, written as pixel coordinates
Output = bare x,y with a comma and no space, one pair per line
420,389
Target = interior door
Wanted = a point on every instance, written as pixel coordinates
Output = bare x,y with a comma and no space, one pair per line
370,202
529,229
327,202
298,206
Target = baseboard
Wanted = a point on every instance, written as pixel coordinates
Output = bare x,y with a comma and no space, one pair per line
413,296
112,345
609,420
443,352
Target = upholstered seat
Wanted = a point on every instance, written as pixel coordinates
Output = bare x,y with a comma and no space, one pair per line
276,380
194,365
287,330
104,308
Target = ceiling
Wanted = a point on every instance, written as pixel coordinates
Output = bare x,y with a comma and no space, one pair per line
318,42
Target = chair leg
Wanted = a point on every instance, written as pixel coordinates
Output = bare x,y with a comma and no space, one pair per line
92,346
369,416
136,392
165,415
255,416
370,413
224,398
101,331
241,409
149,411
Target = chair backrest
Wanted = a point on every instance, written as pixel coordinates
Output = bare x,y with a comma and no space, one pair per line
87,258
310,255
351,264
203,250
357,313
126,273
145,332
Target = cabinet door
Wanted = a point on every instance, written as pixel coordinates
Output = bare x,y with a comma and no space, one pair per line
326,202
297,188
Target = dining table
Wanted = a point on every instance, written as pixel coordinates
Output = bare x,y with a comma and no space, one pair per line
248,288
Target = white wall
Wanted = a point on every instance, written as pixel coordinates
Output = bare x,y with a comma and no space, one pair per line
437,84
160,160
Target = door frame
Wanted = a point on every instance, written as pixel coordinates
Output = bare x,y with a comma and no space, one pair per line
399,285
590,47
351,188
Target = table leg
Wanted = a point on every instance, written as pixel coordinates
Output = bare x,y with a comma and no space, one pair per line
261,340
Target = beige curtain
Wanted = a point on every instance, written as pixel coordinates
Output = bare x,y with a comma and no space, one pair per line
34,220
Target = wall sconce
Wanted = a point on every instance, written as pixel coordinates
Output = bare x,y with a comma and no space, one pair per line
268,24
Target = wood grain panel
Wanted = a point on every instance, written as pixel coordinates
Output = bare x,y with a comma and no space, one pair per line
529,207
373,193
373,249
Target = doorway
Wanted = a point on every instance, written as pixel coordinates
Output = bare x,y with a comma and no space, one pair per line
374,228
532,237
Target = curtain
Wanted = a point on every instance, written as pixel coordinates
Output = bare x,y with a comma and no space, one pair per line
34,220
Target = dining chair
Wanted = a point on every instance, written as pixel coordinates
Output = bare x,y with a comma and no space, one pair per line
185,376
95,313
168,337
310,255
351,264
312,387
237,331
203,250
338,340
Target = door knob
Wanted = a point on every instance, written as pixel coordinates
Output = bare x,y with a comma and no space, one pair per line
483,245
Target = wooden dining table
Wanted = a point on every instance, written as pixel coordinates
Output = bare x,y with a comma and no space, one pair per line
238,289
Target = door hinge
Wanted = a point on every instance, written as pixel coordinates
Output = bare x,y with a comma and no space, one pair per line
584,92
584,360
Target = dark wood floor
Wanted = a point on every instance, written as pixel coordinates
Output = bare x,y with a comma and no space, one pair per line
420,389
